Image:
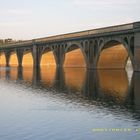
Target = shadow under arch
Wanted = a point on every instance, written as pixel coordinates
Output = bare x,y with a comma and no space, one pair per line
75,57
2,59
114,55
13,61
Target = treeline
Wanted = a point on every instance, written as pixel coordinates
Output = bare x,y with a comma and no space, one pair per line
8,40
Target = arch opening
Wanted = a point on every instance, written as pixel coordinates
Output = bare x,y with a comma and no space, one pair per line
13,60
27,60
48,59
2,59
74,58
48,68
114,55
27,63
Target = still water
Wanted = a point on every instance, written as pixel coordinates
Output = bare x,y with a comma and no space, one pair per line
69,104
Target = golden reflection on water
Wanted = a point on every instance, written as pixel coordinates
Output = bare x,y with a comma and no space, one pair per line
2,73
48,74
13,73
114,82
2,59
75,78
27,73
74,59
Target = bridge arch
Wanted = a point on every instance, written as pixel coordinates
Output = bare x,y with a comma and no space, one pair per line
27,59
13,61
47,57
2,59
27,64
75,55
114,53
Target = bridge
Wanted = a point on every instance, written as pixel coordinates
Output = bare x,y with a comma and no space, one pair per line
104,48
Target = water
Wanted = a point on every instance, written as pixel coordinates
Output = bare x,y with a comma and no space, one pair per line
69,104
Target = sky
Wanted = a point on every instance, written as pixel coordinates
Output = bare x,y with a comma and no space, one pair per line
28,19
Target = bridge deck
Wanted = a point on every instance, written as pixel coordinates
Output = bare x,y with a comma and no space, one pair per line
87,33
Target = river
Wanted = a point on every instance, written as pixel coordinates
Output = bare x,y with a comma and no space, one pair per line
69,104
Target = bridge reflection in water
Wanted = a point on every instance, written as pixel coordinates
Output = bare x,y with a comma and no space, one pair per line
103,85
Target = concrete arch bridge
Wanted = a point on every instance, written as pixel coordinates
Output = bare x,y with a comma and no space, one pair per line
104,48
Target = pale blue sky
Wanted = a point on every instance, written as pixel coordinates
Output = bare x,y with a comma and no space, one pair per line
26,19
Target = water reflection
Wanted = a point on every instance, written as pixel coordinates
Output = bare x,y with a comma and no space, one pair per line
136,88
75,78
113,84
2,73
110,86
13,73
49,102
48,75
27,73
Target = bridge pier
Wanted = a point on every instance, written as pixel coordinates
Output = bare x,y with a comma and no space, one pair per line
36,57
59,53
20,57
91,55
36,64
7,57
137,51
